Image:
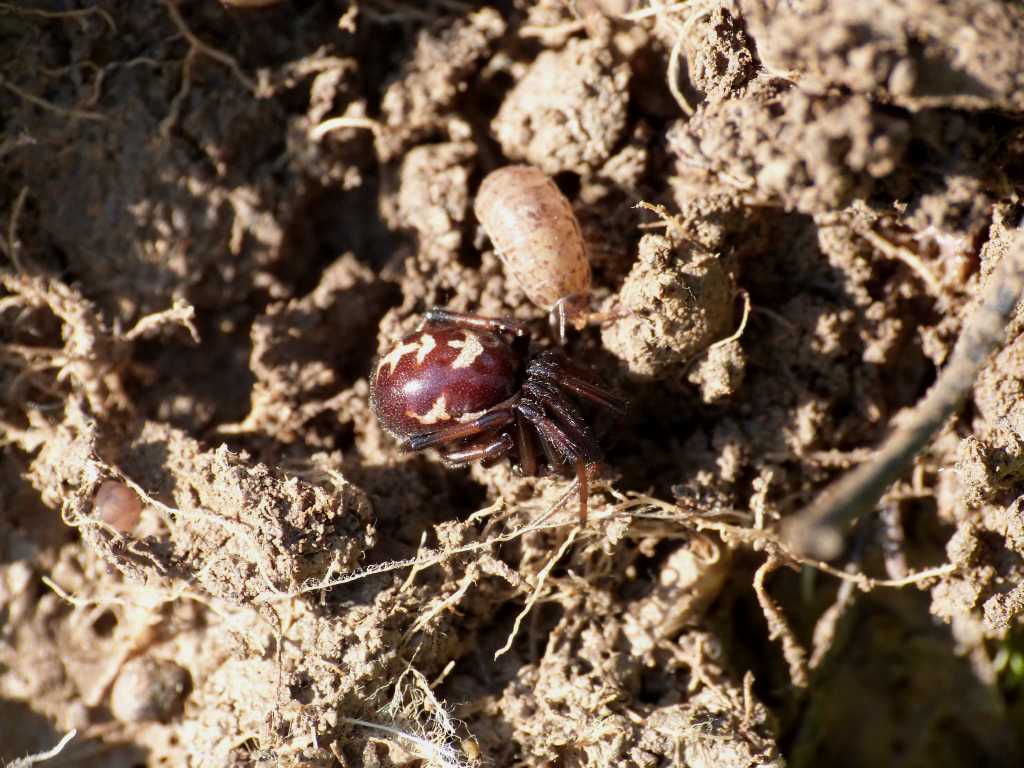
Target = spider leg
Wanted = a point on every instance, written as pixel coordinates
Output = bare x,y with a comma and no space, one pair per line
492,419
555,368
446,317
526,446
566,416
481,450
531,415
595,394
583,478
558,447
549,445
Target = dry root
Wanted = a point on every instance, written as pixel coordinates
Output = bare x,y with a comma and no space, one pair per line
42,757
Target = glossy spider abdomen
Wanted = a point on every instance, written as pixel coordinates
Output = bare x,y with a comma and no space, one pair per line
437,377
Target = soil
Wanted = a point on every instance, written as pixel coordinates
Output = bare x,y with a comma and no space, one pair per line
213,216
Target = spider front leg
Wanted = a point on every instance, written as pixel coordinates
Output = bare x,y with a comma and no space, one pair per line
485,422
563,413
484,449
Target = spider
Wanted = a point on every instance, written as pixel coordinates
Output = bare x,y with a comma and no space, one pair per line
468,386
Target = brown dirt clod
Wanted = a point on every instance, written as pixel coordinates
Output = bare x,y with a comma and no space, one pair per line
676,301
568,112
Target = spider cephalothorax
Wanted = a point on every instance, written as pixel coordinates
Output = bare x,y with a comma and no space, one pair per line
468,386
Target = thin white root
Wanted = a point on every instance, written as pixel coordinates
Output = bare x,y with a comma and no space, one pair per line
743,322
181,313
435,754
432,557
535,594
679,18
28,760
916,264
421,721
320,130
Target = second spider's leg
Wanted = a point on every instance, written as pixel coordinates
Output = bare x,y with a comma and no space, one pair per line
495,418
491,447
445,317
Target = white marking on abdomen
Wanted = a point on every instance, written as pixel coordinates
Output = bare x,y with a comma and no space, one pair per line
469,350
438,412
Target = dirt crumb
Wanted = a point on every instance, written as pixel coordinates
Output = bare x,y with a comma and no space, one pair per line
719,54
998,390
239,529
588,680
974,471
697,731
812,153
300,360
568,112
434,198
688,581
719,374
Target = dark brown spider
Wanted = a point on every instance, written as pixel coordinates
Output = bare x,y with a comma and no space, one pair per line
467,385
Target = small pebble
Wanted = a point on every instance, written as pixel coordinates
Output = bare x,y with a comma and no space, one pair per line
117,505
149,689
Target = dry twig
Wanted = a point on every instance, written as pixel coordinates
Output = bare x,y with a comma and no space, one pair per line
196,48
181,313
11,245
643,507
818,530
208,50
